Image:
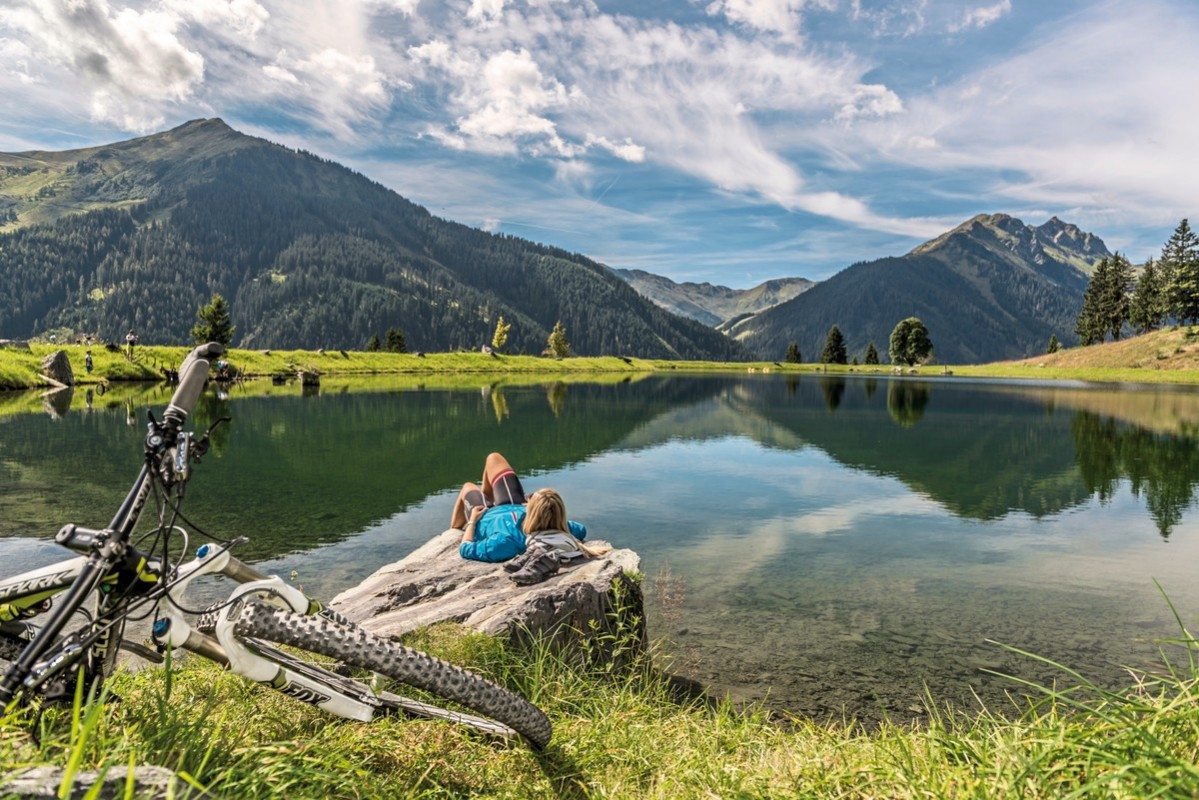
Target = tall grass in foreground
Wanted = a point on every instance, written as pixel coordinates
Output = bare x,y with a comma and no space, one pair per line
624,734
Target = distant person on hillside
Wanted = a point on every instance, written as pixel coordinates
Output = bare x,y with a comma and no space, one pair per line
499,523
87,362
130,341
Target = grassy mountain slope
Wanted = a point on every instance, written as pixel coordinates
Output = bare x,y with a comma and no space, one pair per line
309,253
712,304
992,288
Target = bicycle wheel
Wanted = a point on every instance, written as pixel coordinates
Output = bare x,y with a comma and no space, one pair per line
11,647
385,701
364,650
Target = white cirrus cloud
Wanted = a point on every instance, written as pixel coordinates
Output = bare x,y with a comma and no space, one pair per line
132,62
243,17
890,18
982,17
775,16
1087,133
731,110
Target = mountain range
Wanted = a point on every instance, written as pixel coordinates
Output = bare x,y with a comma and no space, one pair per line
992,288
310,254
713,304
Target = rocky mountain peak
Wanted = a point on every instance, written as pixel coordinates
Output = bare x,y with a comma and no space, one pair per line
1055,240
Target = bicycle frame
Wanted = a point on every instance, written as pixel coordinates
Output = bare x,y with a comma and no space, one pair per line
109,552
241,657
22,595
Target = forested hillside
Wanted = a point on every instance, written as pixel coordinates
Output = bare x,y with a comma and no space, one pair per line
309,254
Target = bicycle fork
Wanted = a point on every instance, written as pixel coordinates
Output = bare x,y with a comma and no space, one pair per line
173,630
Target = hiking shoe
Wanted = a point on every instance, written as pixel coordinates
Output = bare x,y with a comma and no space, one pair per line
516,562
539,567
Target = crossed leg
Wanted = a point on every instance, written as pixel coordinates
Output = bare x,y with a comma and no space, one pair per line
495,468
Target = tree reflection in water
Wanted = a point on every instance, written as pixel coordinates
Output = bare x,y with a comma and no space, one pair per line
1162,467
906,401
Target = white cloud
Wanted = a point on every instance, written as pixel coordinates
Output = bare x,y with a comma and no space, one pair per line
502,100
1084,115
132,62
244,17
775,16
982,17
626,151
890,18
484,10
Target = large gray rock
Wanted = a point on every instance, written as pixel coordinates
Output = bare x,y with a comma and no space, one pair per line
148,782
434,584
57,368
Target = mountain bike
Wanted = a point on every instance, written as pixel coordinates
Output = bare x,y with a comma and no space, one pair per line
84,603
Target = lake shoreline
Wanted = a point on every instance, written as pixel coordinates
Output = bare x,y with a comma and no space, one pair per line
1161,357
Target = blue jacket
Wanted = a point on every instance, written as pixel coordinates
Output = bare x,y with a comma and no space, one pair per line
498,536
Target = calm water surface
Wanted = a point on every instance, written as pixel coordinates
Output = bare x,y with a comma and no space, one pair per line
826,545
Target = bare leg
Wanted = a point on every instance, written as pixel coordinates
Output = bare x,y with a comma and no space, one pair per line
496,465
458,516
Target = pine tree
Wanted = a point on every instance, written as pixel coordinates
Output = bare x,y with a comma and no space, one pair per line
871,354
834,348
373,345
793,355
1180,260
1115,296
395,341
500,337
1148,308
557,346
214,324
1054,345
1090,326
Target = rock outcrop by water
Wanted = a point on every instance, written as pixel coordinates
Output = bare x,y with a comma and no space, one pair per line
57,368
595,597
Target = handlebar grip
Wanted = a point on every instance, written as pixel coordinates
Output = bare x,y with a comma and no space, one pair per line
192,374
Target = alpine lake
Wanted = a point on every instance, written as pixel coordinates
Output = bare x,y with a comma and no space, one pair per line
839,547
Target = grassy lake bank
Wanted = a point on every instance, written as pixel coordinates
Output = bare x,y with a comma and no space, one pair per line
1165,356
623,735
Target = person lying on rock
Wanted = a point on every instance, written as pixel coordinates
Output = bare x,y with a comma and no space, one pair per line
497,520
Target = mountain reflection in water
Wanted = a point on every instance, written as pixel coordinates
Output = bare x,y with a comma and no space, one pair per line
825,543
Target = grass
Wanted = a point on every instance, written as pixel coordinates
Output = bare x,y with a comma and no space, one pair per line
625,734
1165,356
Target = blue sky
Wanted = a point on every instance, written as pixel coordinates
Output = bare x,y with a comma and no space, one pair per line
729,141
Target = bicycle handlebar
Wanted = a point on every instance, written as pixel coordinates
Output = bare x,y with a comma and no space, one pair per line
192,374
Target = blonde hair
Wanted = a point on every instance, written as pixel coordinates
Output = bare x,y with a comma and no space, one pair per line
546,512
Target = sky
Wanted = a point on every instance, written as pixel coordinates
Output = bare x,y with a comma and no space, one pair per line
729,141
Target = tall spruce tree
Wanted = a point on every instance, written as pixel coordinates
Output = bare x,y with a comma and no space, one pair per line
1091,324
871,354
1148,308
1180,260
1115,295
834,348
1054,345
793,355
395,341
215,323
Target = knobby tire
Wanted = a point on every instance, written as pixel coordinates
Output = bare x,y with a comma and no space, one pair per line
359,648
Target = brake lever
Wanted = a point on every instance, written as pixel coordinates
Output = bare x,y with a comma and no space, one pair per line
201,446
